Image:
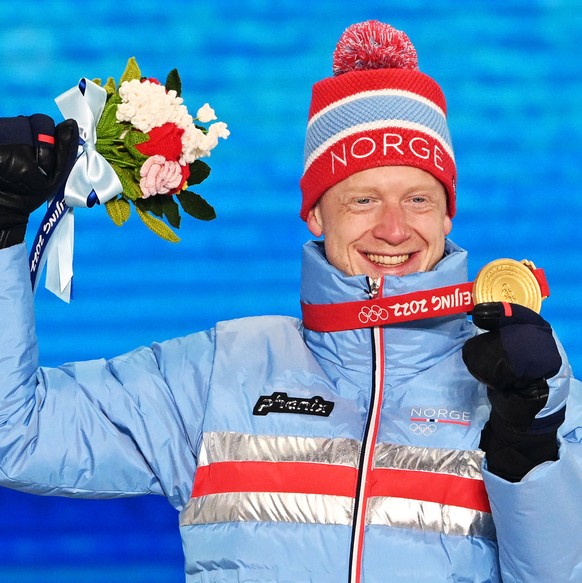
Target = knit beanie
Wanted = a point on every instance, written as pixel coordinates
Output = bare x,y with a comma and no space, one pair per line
377,110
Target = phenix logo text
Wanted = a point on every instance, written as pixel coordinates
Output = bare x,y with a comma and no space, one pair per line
282,403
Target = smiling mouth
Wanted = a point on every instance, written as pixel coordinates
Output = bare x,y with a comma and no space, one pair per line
390,260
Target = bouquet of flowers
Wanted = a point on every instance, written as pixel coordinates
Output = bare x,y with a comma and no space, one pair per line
139,147
154,146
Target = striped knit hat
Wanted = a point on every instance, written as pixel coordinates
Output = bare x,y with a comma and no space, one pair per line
377,110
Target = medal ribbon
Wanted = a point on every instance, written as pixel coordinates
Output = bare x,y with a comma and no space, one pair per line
434,303
55,219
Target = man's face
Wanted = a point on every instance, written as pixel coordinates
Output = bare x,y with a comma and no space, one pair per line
390,220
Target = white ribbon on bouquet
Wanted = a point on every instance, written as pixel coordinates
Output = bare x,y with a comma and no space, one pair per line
91,181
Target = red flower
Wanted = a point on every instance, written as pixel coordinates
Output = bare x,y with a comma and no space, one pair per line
165,140
185,176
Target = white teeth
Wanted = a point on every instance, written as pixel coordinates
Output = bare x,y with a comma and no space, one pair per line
388,259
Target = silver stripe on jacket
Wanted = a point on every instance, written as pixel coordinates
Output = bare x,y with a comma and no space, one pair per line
268,507
338,510
429,516
455,462
225,446
232,447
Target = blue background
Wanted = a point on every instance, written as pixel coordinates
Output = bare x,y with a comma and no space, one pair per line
513,80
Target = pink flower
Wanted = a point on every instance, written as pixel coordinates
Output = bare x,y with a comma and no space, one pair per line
160,176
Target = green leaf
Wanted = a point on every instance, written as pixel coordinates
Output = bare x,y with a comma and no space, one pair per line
196,206
118,209
174,82
161,205
118,156
171,210
131,190
130,140
108,126
199,172
131,72
153,204
134,137
110,86
158,227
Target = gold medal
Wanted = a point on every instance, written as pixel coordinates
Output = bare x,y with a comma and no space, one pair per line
508,280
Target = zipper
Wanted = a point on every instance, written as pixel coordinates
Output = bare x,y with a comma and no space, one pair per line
374,287
368,443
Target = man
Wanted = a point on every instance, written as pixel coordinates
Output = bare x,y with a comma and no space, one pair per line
322,451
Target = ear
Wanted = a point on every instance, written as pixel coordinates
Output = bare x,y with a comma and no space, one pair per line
447,225
314,222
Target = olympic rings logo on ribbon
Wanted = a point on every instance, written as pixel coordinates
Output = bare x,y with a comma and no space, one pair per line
422,428
373,313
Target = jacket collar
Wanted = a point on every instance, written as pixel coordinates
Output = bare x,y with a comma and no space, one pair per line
408,347
321,283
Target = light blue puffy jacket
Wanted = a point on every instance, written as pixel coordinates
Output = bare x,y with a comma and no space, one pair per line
296,456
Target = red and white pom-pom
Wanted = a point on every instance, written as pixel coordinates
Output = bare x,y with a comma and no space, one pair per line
373,45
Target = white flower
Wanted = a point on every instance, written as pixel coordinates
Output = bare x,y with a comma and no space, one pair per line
206,113
146,105
192,141
220,129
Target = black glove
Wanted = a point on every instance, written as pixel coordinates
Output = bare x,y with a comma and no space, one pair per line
515,359
35,160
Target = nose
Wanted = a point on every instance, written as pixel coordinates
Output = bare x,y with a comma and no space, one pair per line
391,225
